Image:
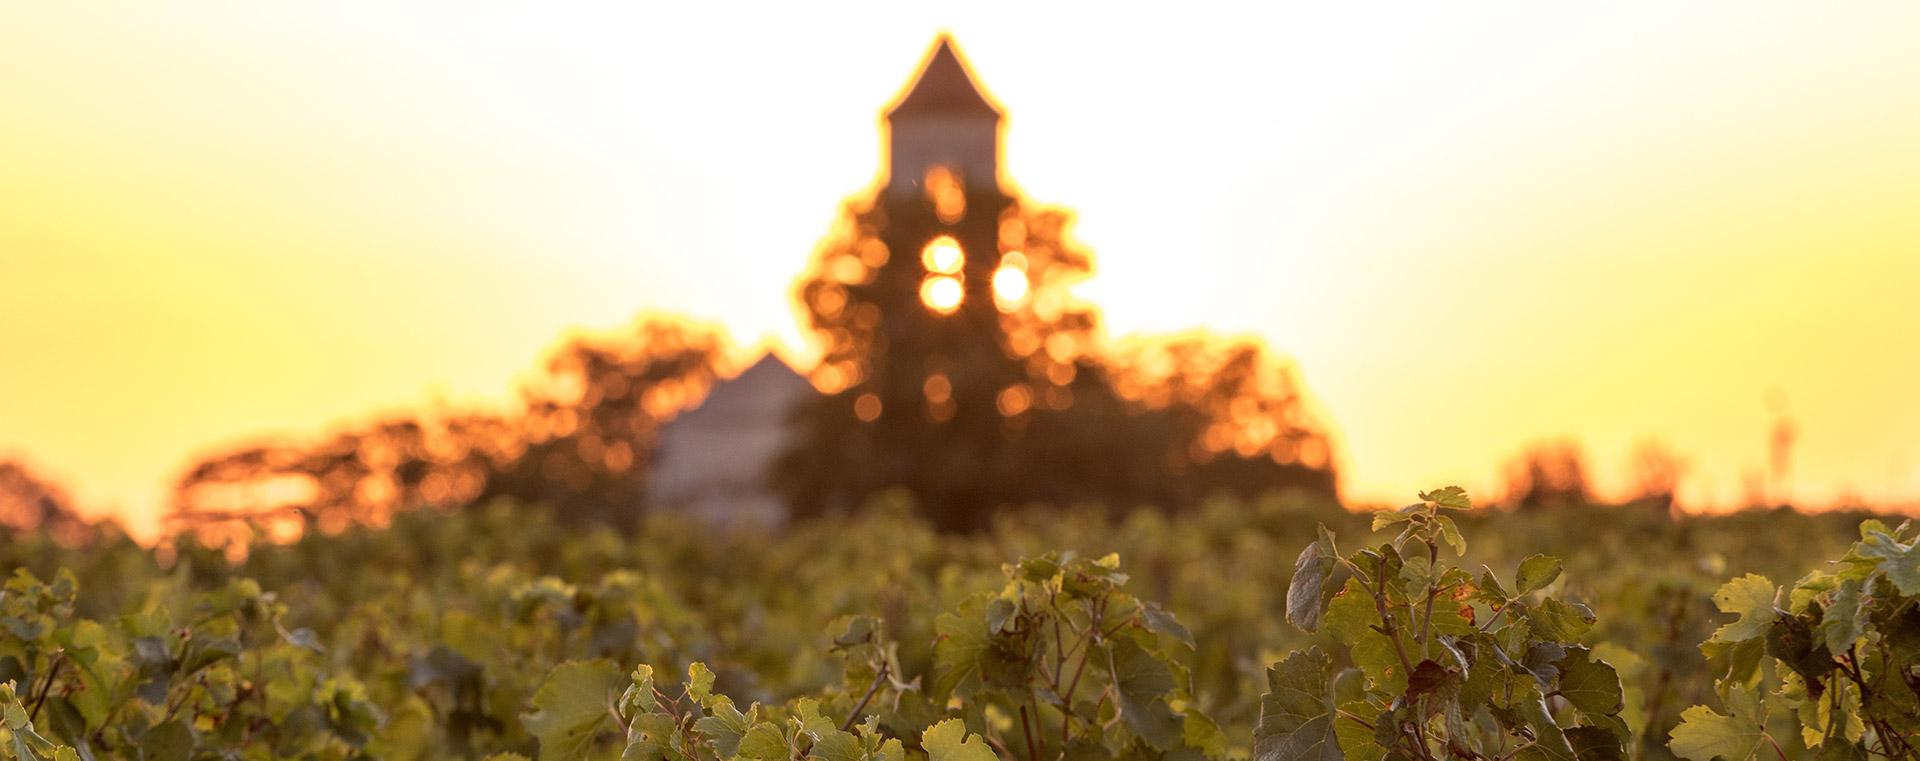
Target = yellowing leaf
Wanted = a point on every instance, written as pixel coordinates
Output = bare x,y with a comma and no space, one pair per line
1451,497
699,682
1702,735
725,727
948,741
764,743
1750,596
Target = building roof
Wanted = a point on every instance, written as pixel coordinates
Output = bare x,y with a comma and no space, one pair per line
944,87
713,460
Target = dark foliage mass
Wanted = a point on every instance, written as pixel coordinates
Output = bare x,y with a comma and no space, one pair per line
581,442
1000,401
30,502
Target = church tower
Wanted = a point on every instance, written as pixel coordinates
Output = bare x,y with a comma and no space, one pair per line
943,121
954,363
943,206
909,312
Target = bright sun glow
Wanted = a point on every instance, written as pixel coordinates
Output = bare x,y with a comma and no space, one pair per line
943,256
1009,286
941,293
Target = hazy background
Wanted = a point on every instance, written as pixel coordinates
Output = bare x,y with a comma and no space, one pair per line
1472,228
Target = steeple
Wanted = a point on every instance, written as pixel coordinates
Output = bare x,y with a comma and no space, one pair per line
945,88
943,120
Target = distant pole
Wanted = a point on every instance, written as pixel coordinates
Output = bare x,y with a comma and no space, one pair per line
1780,449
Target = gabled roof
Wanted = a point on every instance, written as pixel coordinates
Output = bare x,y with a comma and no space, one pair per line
944,87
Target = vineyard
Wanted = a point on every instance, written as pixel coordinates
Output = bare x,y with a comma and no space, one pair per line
1274,629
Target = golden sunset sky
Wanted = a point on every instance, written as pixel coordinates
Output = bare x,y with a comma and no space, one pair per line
1471,225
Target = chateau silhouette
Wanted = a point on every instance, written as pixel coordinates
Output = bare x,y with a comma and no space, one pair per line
956,364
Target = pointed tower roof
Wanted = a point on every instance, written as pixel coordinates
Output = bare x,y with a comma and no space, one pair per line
944,87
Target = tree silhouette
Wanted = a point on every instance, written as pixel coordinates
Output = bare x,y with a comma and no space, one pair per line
1655,471
588,430
1548,474
593,422
30,502
1009,396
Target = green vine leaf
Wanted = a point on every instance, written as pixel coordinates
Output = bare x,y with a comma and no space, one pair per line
1305,593
172,741
1591,686
1296,724
639,697
699,682
572,707
1452,497
838,746
764,742
1559,622
1900,562
1385,518
726,726
958,651
1143,682
1750,596
948,741
1845,620
1451,534
1703,735
1536,572
1596,744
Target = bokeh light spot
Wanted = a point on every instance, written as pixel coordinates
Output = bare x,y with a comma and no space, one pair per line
937,388
943,255
867,408
945,191
1009,287
942,294
1014,399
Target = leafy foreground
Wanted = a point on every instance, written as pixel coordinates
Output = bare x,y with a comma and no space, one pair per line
494,633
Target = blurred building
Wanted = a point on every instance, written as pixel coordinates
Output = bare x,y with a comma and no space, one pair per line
713,460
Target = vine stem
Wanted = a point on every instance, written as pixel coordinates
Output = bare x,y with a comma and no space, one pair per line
1776,746
1433,590
1026,728
1354,719
1067,700
872,688
1386,620
53,671
1389,628
1358,575
1420,727
1516,750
